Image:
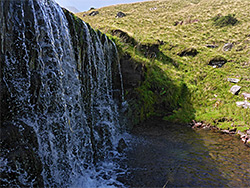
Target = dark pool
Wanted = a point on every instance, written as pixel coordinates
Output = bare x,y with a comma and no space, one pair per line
167,155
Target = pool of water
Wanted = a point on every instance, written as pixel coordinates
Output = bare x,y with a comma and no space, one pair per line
166,155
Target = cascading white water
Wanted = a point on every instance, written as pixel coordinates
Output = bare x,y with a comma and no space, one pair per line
67,101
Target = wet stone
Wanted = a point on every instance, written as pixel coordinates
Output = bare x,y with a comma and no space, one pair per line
121,145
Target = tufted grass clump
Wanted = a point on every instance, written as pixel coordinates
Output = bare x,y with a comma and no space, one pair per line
222,21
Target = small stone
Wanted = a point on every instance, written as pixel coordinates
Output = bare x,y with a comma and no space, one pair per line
93,13
246,105
227,47
235,89
225,131
240,133
248,132
240,103
211,46
152,9
246,95
120,15
233,80
243,104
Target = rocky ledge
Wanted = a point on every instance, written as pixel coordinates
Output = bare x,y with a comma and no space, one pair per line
244,136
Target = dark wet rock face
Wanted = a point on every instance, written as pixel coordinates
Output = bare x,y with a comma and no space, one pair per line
133,72
19,148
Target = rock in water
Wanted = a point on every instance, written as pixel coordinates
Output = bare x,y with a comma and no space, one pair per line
121,145
235,89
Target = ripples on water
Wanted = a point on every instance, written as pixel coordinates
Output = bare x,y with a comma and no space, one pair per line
161,154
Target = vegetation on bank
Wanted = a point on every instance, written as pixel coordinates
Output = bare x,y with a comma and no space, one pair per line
180,85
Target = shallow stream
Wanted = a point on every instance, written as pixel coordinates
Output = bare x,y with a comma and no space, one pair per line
165,155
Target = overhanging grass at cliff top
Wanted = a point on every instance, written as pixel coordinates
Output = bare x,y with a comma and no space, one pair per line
182,24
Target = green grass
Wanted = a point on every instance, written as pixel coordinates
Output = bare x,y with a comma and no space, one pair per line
207,97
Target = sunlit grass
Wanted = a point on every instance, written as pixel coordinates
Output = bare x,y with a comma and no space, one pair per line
148,22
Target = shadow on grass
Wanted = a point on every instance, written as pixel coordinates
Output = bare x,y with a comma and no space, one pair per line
149,90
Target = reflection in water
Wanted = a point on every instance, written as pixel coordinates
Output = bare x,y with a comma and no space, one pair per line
160,155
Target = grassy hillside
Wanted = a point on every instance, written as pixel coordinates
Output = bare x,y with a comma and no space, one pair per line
187,84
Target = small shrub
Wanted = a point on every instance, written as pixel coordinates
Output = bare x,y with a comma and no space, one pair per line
222,21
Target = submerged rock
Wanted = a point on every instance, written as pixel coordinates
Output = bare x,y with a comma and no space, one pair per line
121,145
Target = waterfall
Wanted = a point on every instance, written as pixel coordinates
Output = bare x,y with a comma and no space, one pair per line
59,79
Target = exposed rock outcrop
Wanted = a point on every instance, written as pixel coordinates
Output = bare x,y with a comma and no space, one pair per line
94,13
217,61
120,15
188,52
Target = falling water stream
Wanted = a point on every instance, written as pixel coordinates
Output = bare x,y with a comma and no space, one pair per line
61,94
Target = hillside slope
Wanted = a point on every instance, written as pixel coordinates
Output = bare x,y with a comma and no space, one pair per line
184,36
